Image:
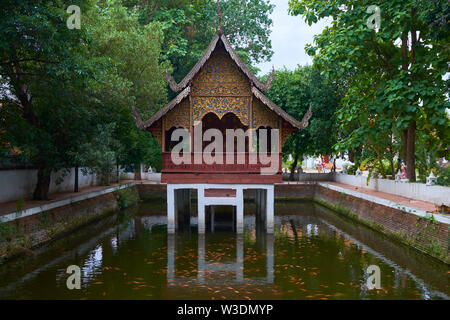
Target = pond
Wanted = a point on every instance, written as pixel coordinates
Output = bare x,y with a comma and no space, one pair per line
313,254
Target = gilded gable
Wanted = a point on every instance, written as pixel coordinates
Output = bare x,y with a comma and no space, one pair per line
220,88
220,76
179,116
263,116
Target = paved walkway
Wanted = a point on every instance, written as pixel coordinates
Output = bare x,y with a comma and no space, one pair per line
8,207
422,205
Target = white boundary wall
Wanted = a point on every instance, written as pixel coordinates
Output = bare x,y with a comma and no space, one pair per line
21,183
438,195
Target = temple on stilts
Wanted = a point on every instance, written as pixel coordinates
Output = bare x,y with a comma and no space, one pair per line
221,93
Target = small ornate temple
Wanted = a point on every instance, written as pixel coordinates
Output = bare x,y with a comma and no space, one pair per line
220,92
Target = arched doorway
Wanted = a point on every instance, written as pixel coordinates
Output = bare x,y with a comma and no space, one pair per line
228,121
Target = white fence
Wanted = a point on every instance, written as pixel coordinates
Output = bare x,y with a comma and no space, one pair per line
17,183
438,195
21,183
144,175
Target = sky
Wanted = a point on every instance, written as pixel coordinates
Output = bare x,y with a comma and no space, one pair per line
289,37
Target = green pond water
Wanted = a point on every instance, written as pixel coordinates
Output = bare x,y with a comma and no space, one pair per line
313,254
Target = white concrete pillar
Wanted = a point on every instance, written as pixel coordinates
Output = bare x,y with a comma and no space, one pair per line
201,210
171,209
170,259
269,258
269,209
239,257
201,258
239,211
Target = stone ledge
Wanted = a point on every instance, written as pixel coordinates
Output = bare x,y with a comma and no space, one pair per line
388,203
59,203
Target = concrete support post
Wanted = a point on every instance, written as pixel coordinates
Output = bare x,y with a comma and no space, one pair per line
269,204
239,211
171,210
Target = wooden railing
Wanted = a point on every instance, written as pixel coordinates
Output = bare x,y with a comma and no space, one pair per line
251,164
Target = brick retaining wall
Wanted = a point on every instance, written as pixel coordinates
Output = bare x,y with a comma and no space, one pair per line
427,235
37,229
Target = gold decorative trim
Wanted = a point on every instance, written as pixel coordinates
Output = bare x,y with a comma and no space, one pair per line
221,106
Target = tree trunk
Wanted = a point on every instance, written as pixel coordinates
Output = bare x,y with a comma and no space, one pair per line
75,189
405,146
137,172
410,160
43,184
293,168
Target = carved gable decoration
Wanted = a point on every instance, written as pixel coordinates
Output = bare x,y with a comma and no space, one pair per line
179,116
220,77
220,88
263,116
221,106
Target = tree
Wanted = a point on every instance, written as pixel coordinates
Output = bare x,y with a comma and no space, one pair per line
138,71
134,53
295,91
394,74
42,73
189,26
60,88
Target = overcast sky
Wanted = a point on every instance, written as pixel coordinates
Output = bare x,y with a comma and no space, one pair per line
289,37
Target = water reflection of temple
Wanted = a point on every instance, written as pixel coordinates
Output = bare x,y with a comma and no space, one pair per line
232,267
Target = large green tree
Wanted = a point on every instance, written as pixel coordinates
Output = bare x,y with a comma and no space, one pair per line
136,66
43,74
394,72
190,25
295,91
61,89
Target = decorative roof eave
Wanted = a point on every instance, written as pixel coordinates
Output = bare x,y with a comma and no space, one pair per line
272,106
200,63
169,106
